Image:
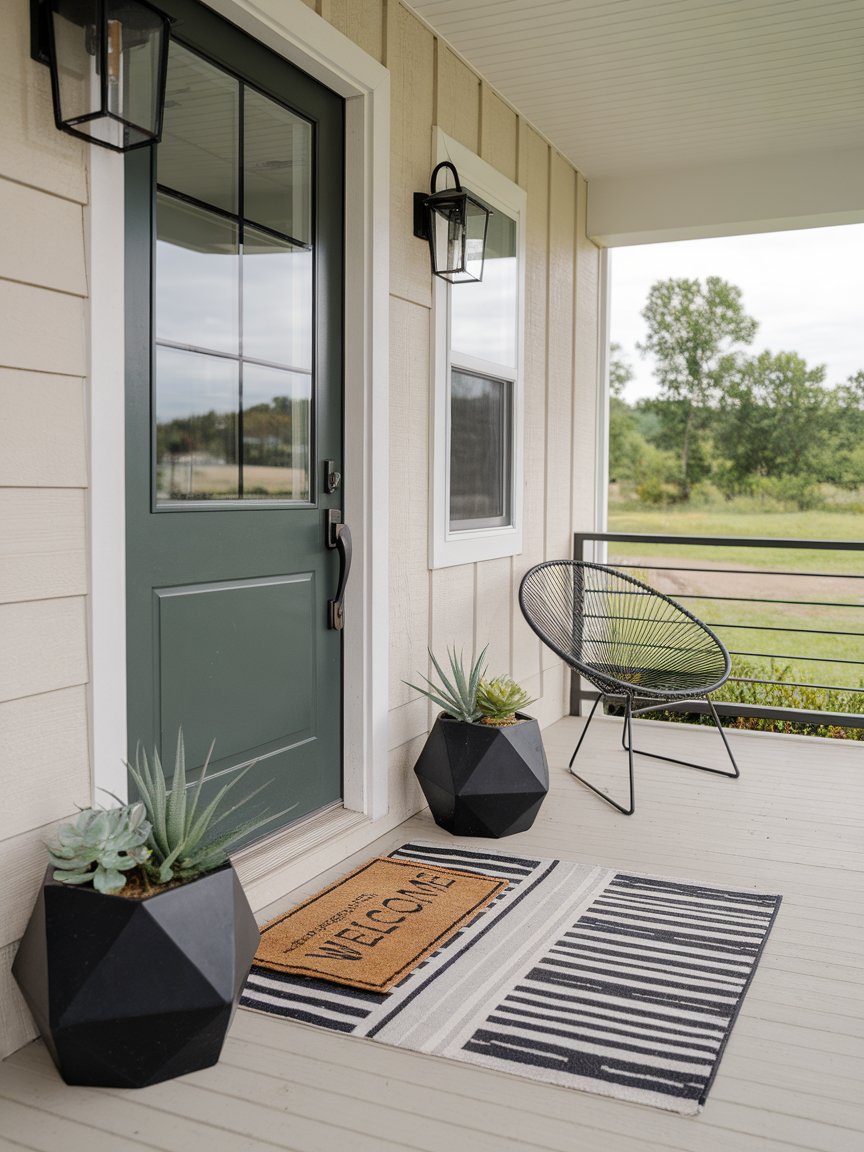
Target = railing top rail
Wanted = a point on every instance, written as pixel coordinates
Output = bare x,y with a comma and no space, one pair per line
724,541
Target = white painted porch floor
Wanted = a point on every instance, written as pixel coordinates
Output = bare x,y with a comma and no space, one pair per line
790,1078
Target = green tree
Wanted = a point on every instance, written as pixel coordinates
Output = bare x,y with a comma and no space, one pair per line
632,459
622,425
620,371
694,333
846,465
776,422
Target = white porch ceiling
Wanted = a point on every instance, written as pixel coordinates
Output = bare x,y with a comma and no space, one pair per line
650,87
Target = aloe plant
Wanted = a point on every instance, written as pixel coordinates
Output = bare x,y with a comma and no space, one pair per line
457,696
183,839
114,840
500,699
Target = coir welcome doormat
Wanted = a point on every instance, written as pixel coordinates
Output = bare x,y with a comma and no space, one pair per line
613,982
369,929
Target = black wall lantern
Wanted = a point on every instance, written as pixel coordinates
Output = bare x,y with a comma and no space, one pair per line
108,61
454,222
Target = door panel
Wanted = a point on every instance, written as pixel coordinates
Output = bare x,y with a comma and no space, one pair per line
234,400
267,700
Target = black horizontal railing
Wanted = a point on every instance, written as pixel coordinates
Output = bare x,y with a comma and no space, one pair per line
583,544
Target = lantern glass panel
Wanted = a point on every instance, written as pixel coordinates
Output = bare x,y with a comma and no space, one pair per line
77,71
459,237
448,238
136,89
476,221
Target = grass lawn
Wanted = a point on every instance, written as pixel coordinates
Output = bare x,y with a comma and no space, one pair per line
726,520
743,629
815,657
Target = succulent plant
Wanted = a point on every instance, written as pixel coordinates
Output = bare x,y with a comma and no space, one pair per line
114,840
182,839
457,697
500,699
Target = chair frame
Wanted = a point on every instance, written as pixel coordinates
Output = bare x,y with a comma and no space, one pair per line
610,688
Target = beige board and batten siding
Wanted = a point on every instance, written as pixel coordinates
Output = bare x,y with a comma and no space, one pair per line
475,604
43,439
44,759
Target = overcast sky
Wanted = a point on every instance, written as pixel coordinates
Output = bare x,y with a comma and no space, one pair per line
806,289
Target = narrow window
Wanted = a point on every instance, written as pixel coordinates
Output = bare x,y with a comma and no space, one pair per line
477,438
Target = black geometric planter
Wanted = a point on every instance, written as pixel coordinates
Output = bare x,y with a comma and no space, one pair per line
483,781
130,992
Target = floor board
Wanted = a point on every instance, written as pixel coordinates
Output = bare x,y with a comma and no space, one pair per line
789,1079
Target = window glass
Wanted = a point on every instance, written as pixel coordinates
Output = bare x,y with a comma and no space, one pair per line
484,317
196,426
276,433
277,167
480,423
198,155
197,277
277,300
234,317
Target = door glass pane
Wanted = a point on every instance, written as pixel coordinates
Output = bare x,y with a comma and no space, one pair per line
276,433
196,426
277,167
480,422
277,301
484,317
197,277
199,154
236,425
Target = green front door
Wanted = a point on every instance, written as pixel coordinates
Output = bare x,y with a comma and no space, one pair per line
234,407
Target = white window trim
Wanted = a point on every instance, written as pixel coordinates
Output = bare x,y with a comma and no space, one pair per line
448,548
291,29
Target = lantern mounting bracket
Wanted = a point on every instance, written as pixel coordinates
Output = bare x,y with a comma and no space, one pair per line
39,32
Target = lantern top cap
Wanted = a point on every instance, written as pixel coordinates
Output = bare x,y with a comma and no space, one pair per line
40,15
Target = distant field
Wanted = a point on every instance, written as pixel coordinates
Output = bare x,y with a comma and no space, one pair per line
817,525
837,605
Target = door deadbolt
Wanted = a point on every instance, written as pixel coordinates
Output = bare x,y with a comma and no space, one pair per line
332,478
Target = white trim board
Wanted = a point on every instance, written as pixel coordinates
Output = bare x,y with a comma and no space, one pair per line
289,28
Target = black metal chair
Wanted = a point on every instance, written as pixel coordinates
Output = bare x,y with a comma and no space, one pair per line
631,642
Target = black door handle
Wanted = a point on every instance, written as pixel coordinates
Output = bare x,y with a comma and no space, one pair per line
338,536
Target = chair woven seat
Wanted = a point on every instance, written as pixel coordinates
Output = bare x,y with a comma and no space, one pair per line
627,639
645,681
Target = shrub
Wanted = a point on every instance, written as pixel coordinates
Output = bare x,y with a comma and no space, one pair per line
789,692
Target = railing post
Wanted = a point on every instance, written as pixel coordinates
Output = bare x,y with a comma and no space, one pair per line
577,694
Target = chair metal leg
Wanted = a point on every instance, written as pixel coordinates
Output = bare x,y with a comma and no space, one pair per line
603,796
688,763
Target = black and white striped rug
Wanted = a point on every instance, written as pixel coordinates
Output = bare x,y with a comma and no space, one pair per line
612,982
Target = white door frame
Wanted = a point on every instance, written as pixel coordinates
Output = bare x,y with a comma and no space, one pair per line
295,32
